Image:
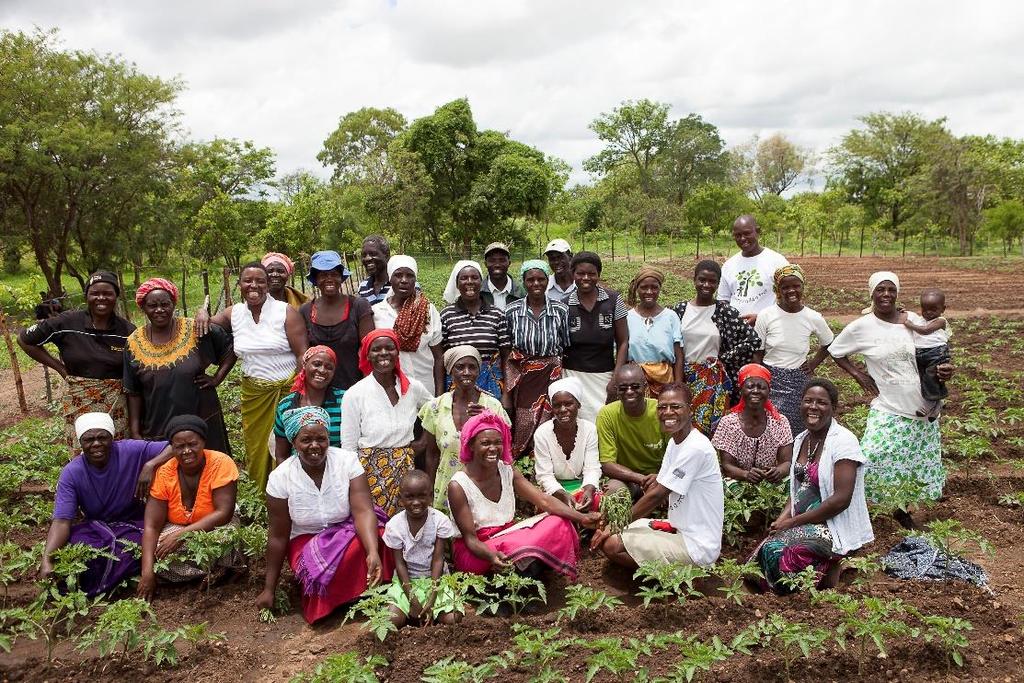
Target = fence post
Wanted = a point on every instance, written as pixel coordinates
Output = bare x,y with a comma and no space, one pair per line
227,286
18,384
184,286
206,288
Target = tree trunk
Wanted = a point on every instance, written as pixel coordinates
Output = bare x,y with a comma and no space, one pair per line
862,241
18,384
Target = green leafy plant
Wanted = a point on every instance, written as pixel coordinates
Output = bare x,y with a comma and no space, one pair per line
206,548
251,502
14,563
865,567
346,667
251,540
949,633
871,620
448,670
950,537
130,625
733,574
463,588
1012,500
282,603
538,650
511,589
617,658
135,549
698,656
906,495
617,510
804,581
375,608
797,639
661,581
581,598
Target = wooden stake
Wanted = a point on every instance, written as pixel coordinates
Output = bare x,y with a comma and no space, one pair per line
19,385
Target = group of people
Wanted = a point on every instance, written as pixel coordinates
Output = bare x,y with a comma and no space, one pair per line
373,416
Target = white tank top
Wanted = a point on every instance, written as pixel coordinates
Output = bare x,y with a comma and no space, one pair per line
487,513
263,348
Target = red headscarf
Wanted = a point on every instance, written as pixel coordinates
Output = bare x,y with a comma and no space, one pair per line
754,370
156,283
299,384
366,367
482,422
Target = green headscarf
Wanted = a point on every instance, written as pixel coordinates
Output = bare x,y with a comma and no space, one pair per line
534,264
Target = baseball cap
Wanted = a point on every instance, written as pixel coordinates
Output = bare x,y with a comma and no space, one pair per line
497,246
558,245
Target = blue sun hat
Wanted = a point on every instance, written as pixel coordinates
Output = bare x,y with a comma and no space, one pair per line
326,260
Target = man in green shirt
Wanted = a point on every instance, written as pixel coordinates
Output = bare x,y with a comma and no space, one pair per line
629,437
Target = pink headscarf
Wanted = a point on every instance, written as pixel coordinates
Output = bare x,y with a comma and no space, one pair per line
154,283
299,385
482,422
274,256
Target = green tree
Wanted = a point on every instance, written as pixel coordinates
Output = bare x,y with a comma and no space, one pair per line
694,154
712,208
465,184
81,136
877,165
1005,222
778,164
358,147
222,185
633,133
313,215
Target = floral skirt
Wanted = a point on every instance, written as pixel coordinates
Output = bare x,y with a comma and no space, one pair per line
385,468
528,380
791,551
86,395
709,386
902,451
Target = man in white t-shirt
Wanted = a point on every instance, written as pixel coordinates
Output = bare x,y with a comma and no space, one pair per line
690,480
747,276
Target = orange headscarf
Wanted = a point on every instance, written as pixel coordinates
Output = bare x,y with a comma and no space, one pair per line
366,367
754,370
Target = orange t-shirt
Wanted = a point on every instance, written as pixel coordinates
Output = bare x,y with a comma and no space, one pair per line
219,470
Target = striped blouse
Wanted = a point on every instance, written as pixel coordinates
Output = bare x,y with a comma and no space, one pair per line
538,337
485,331
332,404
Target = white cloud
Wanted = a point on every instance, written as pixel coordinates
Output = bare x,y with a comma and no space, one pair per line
282,74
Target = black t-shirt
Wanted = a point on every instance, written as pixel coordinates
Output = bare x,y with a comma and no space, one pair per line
84,350
592,333
342,338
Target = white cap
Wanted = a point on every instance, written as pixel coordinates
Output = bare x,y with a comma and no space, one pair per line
558,245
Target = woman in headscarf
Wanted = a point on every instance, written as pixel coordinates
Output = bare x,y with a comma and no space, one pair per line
279,269
566,462
444,416
482,498
716,344
753,440
90,355
902,449
321,517
312,387
785,329
598,334
416,323
538,330
165,366
98,501
335,319
378,414
196,491
270,338
655,338
469,319
827,514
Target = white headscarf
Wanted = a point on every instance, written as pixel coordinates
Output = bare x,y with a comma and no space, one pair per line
880,277
877,279
457,353
569,385
402,261
451,290
88,421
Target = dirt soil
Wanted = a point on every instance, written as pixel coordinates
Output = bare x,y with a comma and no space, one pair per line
260,652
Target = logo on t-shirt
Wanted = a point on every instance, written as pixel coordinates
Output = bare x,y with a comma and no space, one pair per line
747,279
679,473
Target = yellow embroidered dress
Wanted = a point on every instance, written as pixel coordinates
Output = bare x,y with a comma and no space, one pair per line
164,376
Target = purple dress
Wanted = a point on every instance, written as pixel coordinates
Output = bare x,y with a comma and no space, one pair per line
105,500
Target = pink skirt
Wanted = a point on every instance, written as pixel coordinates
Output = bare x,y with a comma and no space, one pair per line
553,541
349,580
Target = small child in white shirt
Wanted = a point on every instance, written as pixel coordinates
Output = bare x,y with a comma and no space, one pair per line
417,537
931,348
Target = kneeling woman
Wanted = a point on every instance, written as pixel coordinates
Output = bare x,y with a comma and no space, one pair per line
827,516
195,491
482,498
322,518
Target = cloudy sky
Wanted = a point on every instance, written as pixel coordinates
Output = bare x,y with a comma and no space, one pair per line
281,73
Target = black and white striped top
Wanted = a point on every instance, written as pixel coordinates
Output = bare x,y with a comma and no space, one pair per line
538,337
485,331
